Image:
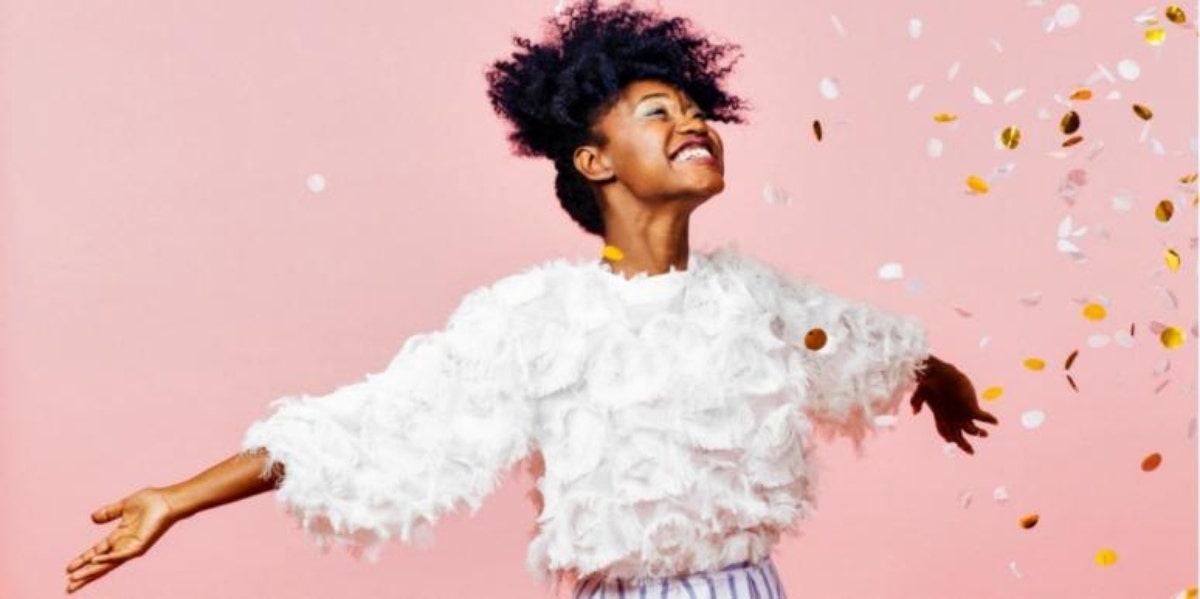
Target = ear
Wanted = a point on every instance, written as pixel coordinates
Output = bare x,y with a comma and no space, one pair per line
593,163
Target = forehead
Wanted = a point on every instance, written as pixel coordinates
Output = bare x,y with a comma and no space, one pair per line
634,91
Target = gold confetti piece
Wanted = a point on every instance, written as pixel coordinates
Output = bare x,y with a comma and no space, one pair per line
1094,312
1074,139
1071,380
1082,93
992,393
1176,15
1171,337
1029,521
1071,360
1188,178
1173,260
1069,123
1151,462
977,184
1191,593
817,129
815,339
612,253
1010,137
1035,363
1164,210
945,117
1155,36
1106,557
1143,111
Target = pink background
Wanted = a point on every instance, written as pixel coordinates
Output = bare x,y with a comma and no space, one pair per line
167,272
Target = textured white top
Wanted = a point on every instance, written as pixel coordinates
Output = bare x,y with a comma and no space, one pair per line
673,414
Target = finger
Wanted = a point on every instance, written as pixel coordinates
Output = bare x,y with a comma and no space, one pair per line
80,579
91,552
971,428
987,417
90,571
107,512
116,556
962,442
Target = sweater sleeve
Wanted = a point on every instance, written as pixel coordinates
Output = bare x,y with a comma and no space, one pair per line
854,360
386,456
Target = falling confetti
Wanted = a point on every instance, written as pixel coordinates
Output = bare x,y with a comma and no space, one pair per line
1067,15
1081,94
953,71
1176,15
945,117
1143,111
1000,494
1071,360
315,183
1171,337
1128,69
981,96
815,339
885,420
1072,141
775,196
914,28
612,253
1151,462
1069,123
1035,364
1032,419
915,91
1028,521
1012,567
816,127
976,184
891,271
1155,36
964,499
934,147
1106,557
1188,593
992,393
1163,211
829,88
1097,340
837,25
1094,312
1010,137
1173,260
1013,95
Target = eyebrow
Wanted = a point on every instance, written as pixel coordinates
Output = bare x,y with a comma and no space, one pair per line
653,95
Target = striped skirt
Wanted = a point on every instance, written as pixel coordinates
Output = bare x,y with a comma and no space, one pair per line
744,580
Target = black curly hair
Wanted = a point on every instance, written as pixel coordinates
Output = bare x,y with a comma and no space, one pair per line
554,92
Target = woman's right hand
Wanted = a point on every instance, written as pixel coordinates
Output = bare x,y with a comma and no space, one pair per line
145,516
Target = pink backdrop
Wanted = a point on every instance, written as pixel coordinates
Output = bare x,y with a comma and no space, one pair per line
169,269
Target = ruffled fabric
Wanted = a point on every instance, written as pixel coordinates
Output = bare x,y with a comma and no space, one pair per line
672,415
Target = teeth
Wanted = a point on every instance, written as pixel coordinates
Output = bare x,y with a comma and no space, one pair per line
693,152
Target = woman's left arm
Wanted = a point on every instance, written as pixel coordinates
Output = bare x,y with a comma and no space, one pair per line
951,398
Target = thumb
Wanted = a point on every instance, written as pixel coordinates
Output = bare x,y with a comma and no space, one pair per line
918,399
107,512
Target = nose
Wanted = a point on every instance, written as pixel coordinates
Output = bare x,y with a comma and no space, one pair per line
693,123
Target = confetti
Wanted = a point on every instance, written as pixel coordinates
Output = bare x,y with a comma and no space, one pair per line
914,28
885,420
1034,363
1155,36
837,25
945,117
1097,340
315,183
1094,312
996,44
816,127
981,96
934,147
612,253
1028,521
1067,15
1071,360
915,91
1013,95
1070,141
1106,557
977,184
1172,259
1176,15
1012,567
1010,137
1143,111
953,71
992,393
891,271
1081,94
1128,69
775,196
1151,462
1188,593
964,499
829,88
1071,381
815,339
1032,419
1163,210
1069,123
1032,299
1171,337
1000,494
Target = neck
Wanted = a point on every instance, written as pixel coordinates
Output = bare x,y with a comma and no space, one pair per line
648,244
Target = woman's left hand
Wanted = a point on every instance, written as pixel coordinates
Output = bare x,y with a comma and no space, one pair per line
951,398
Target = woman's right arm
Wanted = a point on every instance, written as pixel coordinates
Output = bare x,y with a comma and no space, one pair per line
148,513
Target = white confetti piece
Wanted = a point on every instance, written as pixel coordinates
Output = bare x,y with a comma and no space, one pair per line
1043,114
996,44
1013,94
1064,227
1095,151
963,312
964,499
1067,15
914,286
1012,567
1031,299
829,88
914,28
1162,367
891,271
837,25
315,182
953,71
915,91
885,421
934,147
949,448
775,196
1048,24
1157,146
1113,95
1097,340
1123,338
1067,247
1032,419
1168,297
1122,202
1128,69
981,96
983,343
1104,72
1000,494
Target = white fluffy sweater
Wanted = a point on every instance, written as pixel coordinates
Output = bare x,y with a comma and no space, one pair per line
672,412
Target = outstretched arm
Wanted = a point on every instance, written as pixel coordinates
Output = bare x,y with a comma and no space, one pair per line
951,398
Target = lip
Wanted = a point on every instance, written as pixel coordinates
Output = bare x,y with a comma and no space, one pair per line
694,141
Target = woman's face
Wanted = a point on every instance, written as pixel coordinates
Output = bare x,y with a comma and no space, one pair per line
650,122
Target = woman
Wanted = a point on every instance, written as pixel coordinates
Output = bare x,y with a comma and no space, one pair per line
663,397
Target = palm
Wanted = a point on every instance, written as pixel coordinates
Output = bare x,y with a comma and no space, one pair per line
951,398
145,516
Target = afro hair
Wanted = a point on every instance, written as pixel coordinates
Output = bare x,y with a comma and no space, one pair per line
553,92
